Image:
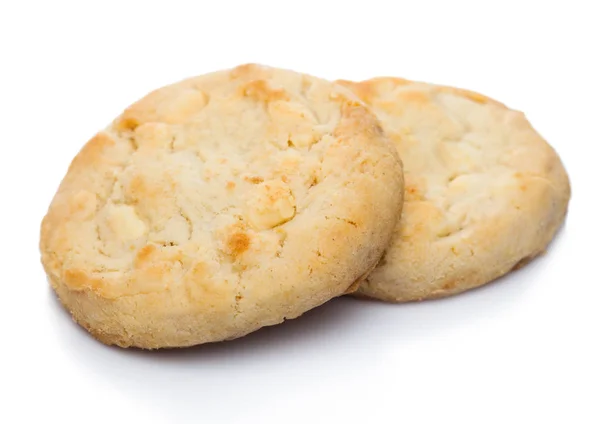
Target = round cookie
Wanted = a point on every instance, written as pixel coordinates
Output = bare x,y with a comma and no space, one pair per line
221,204
484,192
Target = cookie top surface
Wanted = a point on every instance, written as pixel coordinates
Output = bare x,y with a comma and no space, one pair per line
253,193
483,190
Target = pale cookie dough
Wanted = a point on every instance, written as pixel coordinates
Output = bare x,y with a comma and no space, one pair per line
484,192
221,204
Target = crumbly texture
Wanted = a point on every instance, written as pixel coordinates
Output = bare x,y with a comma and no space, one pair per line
221,204
484,192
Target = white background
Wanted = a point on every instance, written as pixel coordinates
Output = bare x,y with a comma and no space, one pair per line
522,350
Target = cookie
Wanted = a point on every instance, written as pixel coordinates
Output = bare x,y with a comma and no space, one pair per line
221,204
484,192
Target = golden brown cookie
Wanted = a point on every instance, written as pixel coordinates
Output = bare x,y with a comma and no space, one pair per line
484,192
221,204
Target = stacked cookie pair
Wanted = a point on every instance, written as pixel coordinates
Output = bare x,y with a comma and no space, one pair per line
238,199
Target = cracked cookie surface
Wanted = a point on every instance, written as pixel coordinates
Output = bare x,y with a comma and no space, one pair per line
221,204
484,193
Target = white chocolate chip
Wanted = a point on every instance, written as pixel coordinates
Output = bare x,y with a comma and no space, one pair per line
125,223
271,204
153,135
